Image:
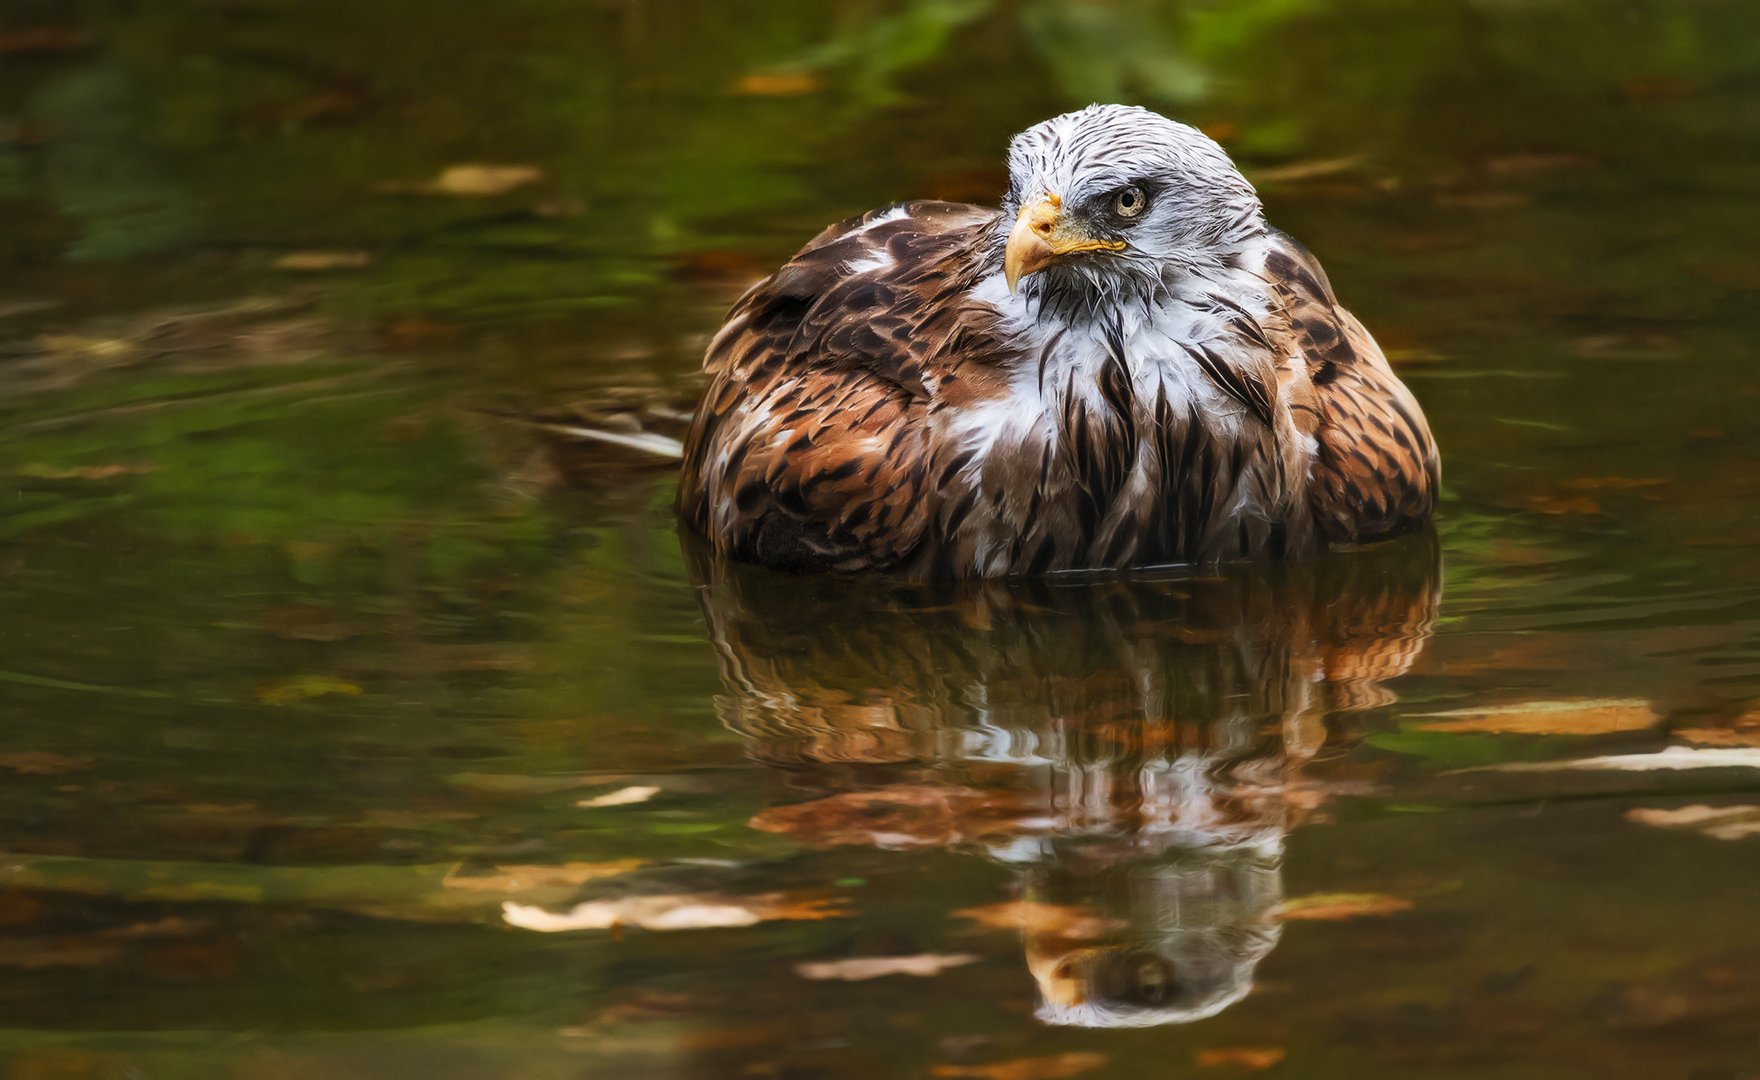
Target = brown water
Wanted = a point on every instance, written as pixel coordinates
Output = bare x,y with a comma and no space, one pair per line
309,658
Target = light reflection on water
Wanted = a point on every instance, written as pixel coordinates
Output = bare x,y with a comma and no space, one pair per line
1138,743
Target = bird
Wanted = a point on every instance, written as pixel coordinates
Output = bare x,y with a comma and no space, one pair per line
1125,366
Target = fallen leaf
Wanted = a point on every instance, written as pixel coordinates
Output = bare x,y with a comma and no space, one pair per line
1674,757
408,335
1587,716
1306,170
1660,88
186,961
1626,347
858,968
34,953
683,911
1617,483
1243,1056
1718,822
1485,200
323,260
44,39
778,84
730,1038
1054,1067
622,797
1549,504
1535,164
84,472
525,878
17,907
43,763
1333,907
483,180
1032,917
169,926
303,688
306,624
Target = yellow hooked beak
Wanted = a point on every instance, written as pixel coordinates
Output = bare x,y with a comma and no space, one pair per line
1042,236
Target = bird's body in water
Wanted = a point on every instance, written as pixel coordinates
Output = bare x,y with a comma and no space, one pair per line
1126,366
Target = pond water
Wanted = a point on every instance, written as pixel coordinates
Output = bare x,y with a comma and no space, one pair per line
353,727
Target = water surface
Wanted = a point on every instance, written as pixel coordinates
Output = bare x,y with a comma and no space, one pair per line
354,729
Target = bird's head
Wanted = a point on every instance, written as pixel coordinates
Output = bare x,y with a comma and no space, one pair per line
1113,199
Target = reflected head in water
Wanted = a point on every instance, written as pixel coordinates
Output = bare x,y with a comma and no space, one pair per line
1134,748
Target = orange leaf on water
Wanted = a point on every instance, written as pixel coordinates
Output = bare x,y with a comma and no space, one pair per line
1718,822
43,763
681,911
1054,1067
1246,1057
779,84
1333,907
522,878
1580,716
861,968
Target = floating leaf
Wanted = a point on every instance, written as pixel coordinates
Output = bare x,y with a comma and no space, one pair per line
1243,1056
309,261
1334,907
779,84
483,180
1306,170
84,472
1616,483
859,968
1588,716
1719,822
43,763
621,797
525,878
43,39
32,953
683,911
1054,1067
1674,757
1485,200
304,688
1032,917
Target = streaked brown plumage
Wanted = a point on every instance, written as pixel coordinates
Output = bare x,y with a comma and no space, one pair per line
1176,385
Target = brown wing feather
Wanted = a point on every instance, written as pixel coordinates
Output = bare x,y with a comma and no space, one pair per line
812,449
1376,472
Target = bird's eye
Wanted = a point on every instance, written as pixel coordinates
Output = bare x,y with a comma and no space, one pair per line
1129,202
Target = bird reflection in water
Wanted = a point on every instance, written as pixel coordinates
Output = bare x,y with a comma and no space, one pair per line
1134,747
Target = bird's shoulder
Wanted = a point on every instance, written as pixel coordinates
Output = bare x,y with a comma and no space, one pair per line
887,294
1376,469
811,448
